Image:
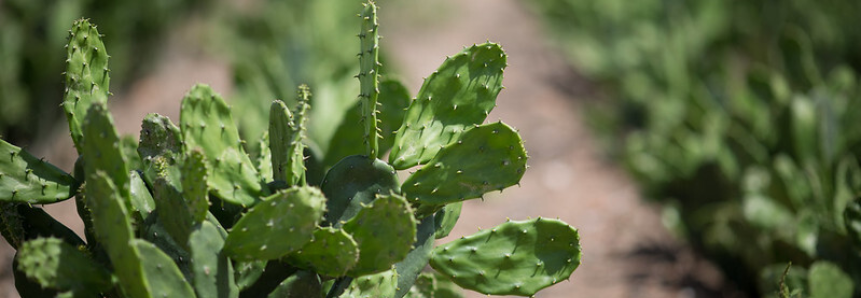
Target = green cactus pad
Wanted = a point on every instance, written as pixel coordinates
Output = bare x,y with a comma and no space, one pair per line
194,189
173,211
354,181
393,102
301,284
101,150
163,278
58,265
248,272
285,143
514,258
206,122
87,79
114,232
385,232
381,284
212,270
432,285
280,224
27,179
446,219
155,232
159,147
423,287
485,158
27,287
332,252
456,97
141,199
417,258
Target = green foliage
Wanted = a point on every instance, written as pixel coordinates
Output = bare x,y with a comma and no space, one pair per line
740,116
32,35
193,216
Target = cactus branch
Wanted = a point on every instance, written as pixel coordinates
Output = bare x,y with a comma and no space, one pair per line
369,77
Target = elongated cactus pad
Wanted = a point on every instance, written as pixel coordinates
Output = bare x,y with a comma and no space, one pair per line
27,179
446,218
514,258
385,232
381,284
101,150
141,198
354,181
173,211
155,232
58,265
282,223
114,232
393,101
301,284
285,143
87,79
163,278
485,158
206,122
212,270
248,272
417,258
369,75
332,252
194,189
456,97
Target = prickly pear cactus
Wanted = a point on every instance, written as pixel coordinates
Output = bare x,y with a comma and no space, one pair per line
187,213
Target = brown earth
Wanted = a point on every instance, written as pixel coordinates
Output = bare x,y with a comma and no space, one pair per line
627,251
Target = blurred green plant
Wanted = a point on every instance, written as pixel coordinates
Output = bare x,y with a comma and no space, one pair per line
275,45
741,118
32,35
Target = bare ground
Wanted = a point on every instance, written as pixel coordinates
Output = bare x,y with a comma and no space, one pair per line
627,252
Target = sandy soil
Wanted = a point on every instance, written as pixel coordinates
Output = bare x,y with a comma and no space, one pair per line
627,252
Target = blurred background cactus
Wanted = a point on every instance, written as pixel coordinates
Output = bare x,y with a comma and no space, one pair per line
31,51
741,118
186,212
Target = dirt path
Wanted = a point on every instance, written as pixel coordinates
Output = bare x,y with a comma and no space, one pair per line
627,251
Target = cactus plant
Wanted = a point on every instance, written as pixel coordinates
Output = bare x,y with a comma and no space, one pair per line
200,220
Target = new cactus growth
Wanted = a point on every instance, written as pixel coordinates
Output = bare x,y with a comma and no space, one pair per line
201,218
